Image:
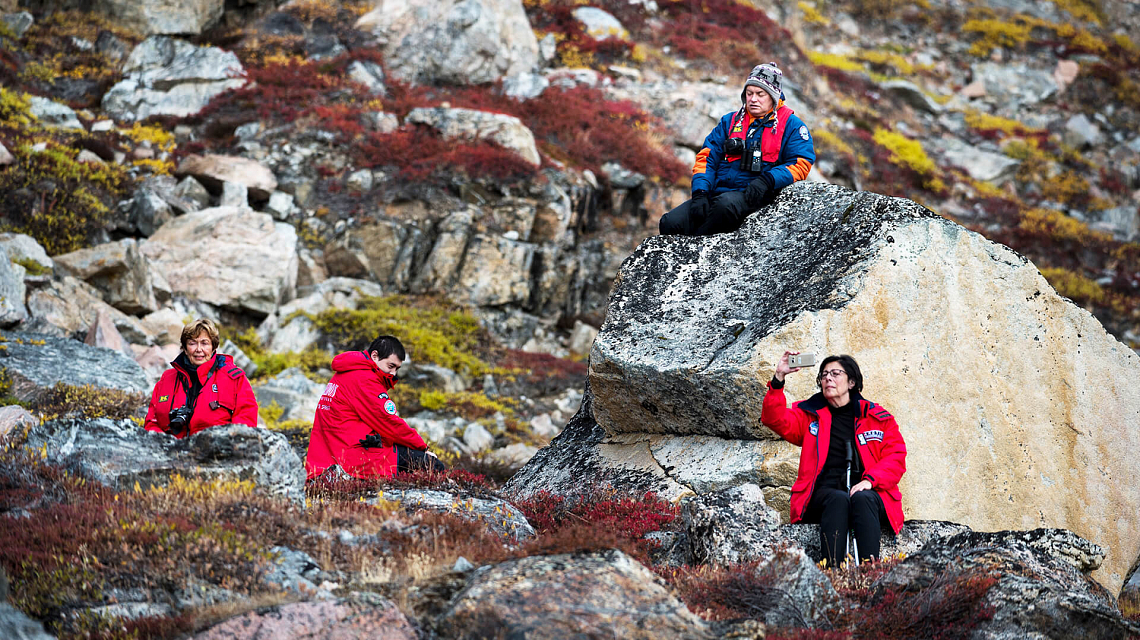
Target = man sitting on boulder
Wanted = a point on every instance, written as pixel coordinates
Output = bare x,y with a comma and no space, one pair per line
851,459
746,160
356,424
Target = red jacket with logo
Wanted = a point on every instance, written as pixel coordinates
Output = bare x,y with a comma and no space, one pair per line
225,397
807,424
355,404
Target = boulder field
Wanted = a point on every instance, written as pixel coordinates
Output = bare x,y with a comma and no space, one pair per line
1015,404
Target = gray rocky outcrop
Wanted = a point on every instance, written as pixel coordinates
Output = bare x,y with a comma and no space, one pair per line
121,453
219,173
12,291
986,166
695,326
230,257
605,594
456,42
66,306
1043,588
731,526
16,625
289,327
53,114
167,76
359,615
600,24
36,362
24,248
1012,87
297,395
118,270
468,124
19,22
500,516
170,17
914,535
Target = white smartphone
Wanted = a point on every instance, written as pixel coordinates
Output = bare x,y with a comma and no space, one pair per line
801,360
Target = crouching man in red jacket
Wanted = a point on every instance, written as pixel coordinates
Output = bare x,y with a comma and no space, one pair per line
356,425
827,426
202,389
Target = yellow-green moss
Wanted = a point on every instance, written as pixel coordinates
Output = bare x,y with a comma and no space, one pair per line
271,364
159,138
827,140
993,33
32,267
1059,227
887,59
1074,286
986,122
1081,10
905,152
15,109
834,61
465,403
88,401
812,15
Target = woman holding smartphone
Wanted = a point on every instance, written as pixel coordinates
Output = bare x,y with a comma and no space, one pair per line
851,459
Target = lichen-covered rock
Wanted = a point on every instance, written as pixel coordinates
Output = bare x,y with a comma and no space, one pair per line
453,41
1043,589
914,536
167,76
360,615
695,325
596,595
22,247
731,526
173,17
499,515
120,453
800,594
230,257
36,362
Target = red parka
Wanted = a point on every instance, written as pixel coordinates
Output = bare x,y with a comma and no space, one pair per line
225,397
807,424
355,404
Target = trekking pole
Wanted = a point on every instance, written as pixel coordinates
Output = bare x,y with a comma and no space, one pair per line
852,542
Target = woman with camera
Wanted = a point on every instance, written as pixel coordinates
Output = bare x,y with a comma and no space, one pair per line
851,459
747,159
202,389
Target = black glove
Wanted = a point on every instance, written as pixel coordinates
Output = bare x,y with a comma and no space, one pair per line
756,190
372,441
699,207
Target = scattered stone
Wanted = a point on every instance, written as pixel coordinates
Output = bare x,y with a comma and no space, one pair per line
731,526
18,23
12,292
88,157
976,89
359,181
120,453
500,516
167,76
150,17
16,625
572,77
612,594
1064,74
582,338
37,362
214,171
469,42
514,455
291,390
463,565
164,325
193,191
234,195
1080,132
385,122
543,425
6,157
369,74
111,46
599,24
53,114
468,124
525,86
149,212
495,271
1121,222
15,419
117,269
281,205
911,94
300,332
622,178
422,374
358,616
200,252
981,165
477,438
1012,87
799,594
102,333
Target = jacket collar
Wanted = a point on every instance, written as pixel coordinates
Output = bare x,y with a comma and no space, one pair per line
817,403
182,363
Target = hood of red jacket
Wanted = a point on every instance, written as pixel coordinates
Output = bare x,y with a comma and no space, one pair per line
359,361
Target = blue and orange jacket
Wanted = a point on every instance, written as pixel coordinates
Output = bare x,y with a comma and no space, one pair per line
793,161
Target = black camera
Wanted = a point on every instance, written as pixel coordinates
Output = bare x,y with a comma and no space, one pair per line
180,420
733,147
372,441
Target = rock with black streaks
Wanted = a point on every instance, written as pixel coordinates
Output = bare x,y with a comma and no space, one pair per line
731,526
1016,405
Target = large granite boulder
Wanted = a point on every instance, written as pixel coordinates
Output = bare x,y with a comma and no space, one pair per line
36,362
67,306
230,257
120,453
1042,412
1042,587
454,41
594,595
118,270
173,17
165,76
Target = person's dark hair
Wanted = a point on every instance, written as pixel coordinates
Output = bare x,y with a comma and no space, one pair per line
849,365
385,346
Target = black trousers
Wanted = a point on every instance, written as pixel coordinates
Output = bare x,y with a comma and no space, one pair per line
414,460
836,512
726,213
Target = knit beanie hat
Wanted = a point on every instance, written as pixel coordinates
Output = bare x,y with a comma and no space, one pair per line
766,76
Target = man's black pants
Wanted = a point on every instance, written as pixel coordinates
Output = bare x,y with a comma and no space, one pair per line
727,212
836,512
414,460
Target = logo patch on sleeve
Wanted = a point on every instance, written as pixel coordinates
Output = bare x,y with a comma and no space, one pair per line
163,398
804,133
390,407
871,435
215,387
814,428
383,396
